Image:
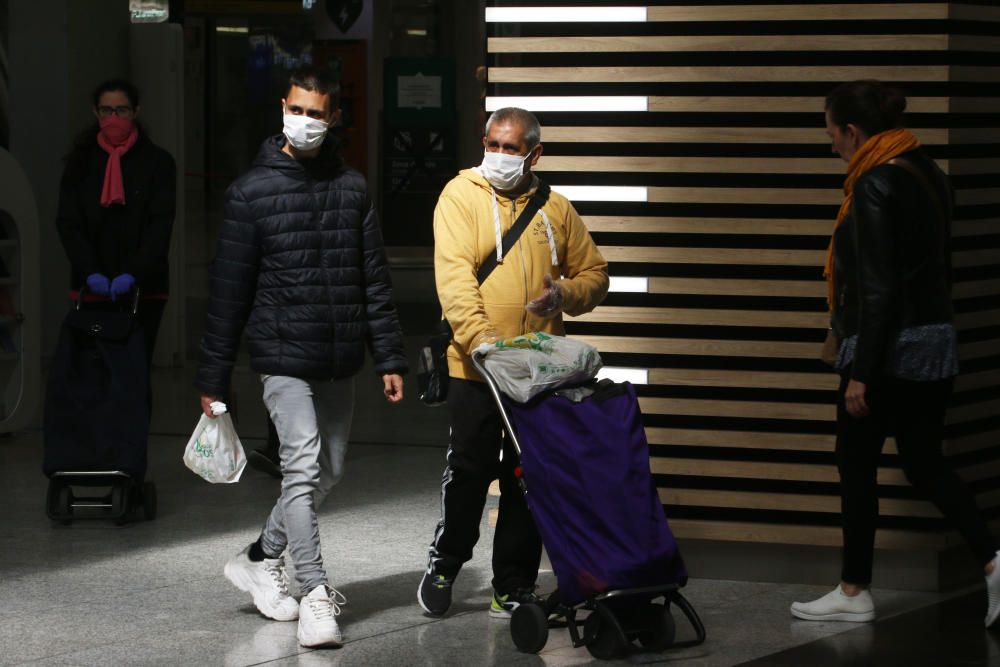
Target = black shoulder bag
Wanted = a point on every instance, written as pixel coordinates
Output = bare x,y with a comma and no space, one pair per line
432,366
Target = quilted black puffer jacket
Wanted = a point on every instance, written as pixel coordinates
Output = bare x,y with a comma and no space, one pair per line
892,260
300,264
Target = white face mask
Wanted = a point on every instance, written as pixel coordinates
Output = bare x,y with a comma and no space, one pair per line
304,133
503,171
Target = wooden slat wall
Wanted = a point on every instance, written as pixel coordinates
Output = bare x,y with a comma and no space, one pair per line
741,189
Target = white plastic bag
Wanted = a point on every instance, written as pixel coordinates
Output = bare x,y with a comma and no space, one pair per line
525,366
214,451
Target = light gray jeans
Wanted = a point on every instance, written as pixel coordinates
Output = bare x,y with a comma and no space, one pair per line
313,421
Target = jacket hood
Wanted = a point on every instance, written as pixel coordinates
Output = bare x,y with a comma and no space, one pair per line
272,156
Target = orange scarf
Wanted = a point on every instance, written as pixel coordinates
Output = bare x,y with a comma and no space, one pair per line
878,150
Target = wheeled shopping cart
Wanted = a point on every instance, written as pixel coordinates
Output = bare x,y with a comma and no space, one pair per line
584,469
96,422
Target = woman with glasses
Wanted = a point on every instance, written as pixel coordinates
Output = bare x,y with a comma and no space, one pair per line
116,210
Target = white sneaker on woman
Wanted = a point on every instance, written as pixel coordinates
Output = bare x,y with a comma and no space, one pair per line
318,618
836,606
993,592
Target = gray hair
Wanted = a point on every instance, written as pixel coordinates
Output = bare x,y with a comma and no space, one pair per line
527,120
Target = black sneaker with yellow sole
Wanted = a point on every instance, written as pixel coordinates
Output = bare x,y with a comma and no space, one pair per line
503,606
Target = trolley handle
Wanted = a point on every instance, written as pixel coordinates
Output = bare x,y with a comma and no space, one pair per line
83,288
479,363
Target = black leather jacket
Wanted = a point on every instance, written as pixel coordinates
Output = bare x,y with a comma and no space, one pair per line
892,261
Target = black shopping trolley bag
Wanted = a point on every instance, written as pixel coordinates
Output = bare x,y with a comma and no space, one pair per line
96,403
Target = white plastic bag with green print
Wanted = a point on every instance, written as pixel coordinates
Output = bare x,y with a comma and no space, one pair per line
214,451
525,366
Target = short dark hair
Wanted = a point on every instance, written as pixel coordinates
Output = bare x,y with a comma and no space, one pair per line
316,79
528,120
120,86
871,105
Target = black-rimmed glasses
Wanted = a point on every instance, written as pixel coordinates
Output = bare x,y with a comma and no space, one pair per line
121,112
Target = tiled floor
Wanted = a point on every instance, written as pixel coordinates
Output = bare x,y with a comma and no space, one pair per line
153,593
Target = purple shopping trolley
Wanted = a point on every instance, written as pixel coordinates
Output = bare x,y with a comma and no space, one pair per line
585,474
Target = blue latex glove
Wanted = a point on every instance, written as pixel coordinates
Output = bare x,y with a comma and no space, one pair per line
98,284
122,284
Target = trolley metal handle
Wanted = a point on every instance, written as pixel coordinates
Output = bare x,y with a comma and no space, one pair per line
478,361
135,299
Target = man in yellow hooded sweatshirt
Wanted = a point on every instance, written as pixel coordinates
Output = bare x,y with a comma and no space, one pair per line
554,267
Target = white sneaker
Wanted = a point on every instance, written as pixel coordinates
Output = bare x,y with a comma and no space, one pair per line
266,581
836,606
993,592
318,618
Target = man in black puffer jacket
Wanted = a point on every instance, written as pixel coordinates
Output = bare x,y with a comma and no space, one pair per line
300,264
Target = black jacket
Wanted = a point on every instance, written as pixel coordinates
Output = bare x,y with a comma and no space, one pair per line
131,238
300,264
892,261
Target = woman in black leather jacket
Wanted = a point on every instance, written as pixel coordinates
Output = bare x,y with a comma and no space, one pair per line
889,287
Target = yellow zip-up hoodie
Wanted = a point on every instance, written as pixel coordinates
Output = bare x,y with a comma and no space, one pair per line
464,235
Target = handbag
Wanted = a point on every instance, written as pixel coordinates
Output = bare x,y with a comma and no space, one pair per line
432,364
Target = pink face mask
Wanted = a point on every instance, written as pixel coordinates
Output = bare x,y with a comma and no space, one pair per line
116,129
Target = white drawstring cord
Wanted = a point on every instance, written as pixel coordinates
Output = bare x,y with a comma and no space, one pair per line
496,226
552,238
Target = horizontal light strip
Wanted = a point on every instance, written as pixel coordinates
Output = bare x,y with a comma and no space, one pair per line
722,256
621,103
734,135
730,104
745,348
723,317
728,317
733,74
603,192
618,374
975,257
232,28
807,12
751,195
674,225
565,14
731,43
699,165
626,284
739,287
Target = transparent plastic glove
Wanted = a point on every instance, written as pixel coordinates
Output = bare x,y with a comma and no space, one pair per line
122,284
488,337
550,303
98,283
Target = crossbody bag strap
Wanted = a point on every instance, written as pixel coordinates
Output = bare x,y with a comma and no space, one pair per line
536,202
925,184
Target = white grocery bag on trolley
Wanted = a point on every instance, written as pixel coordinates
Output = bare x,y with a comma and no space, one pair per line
525,366
214,451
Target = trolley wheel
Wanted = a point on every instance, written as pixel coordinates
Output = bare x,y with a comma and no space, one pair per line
65,506
605,633
149,500
529,627
120,503
659,629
